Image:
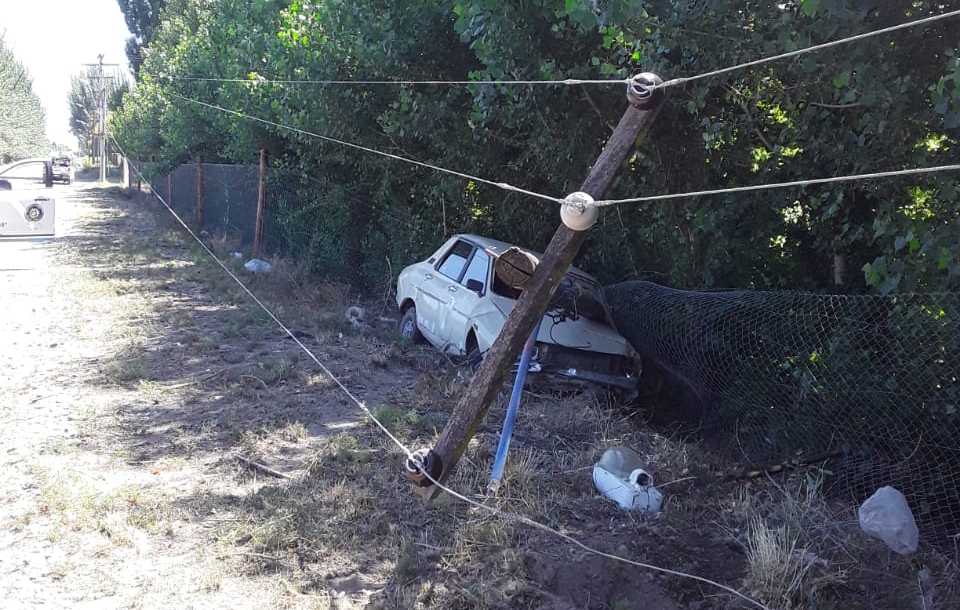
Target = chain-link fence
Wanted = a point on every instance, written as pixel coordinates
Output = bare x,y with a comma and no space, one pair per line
326,228
226,198
870,385
341,234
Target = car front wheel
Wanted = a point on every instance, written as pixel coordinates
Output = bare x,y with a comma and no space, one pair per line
408,326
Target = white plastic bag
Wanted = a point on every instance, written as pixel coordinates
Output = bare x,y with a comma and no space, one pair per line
255,265
886,516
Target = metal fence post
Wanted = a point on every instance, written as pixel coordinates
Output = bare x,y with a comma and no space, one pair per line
261,200
200,190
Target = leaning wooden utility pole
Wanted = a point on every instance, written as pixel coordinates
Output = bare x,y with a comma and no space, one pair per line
646,99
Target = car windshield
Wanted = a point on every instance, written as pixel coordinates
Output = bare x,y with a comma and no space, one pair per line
577,295
64,161
588,300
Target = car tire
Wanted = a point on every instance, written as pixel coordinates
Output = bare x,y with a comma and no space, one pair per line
474,356
408,326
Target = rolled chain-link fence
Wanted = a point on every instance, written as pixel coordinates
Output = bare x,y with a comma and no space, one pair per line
869,386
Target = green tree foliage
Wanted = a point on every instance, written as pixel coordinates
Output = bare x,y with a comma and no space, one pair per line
23,119
883,103
142,18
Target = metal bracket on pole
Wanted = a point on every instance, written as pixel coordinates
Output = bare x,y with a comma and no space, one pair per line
646,99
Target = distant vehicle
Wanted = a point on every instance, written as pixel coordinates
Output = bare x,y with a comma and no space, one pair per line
26,208
62,169
459,298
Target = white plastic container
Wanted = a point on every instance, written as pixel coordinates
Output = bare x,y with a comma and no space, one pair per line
619,475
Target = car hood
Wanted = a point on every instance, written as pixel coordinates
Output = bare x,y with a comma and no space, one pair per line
582,333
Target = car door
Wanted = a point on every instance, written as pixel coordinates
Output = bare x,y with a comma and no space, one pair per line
458,313
436,290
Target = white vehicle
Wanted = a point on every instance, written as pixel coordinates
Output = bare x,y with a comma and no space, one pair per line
26,207
458,300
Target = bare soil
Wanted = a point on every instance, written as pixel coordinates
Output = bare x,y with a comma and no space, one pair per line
140,382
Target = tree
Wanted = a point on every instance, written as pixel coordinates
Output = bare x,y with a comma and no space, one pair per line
887,102
142,18
84,100
23,120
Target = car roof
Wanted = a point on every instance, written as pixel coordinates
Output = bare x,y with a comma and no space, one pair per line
13,164
497,247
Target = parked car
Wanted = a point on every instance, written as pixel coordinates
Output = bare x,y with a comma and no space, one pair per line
459,299
62,169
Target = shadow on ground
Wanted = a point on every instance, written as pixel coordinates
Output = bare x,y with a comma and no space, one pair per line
202,378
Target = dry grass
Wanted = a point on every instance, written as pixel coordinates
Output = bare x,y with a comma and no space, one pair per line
345,527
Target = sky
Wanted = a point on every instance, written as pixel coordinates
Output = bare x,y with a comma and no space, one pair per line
53,39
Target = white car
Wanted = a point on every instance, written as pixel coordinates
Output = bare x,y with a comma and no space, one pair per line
458,300
26,207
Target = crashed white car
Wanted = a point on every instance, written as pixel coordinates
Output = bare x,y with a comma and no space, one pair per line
459,298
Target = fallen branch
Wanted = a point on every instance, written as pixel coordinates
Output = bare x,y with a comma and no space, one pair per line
264,469
196,380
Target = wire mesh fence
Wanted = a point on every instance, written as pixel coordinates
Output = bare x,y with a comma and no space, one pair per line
326,228
225,200
869,385
870,382
341,234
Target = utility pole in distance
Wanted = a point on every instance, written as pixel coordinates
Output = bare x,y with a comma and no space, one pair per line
102,92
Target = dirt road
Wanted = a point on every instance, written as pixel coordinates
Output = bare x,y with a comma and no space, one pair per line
104,481
135,375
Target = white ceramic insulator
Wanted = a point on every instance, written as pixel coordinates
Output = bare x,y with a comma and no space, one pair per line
577,211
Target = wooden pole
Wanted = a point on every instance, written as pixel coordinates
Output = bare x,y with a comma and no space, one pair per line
261,201
200,190
532,304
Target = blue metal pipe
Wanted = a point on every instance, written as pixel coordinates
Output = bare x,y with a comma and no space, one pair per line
501,458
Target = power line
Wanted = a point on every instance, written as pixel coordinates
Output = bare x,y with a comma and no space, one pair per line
500,185
261,80
256,79
909,24
410,456
602,202
778,185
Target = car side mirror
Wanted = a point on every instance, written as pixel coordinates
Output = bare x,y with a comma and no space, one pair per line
475,286
5,185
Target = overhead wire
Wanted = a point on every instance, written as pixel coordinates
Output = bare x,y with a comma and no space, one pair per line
777,185
601,202
818,47
410,455
669,83
257,79
501,185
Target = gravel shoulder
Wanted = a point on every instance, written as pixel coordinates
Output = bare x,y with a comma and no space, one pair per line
139,383
115,475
